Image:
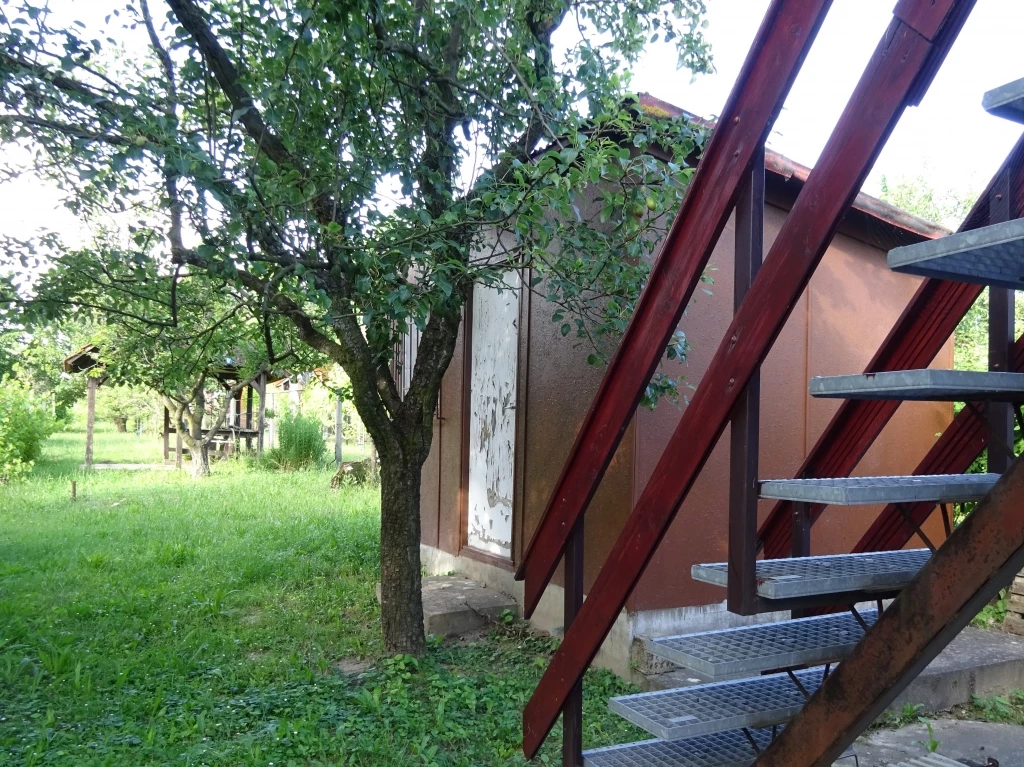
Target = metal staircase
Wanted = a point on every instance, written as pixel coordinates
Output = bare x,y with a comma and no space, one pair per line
797,693
731,722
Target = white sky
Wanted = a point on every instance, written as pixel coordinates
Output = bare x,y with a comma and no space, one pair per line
949,138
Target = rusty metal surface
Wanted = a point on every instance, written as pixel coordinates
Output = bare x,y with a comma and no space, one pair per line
980,557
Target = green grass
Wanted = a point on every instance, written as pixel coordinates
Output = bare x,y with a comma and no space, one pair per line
996,708
231,621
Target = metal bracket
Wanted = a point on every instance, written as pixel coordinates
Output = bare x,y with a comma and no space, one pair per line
905,511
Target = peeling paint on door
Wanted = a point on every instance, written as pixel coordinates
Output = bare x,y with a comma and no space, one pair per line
492,418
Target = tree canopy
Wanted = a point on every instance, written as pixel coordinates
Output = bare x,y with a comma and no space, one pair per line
354,167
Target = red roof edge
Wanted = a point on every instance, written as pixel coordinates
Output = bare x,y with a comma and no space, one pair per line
789,170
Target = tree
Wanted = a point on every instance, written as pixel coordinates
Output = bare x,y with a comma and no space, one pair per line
355,167
189,338
125,405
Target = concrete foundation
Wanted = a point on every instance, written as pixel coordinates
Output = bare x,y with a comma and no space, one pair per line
617,653
973,743
453,606
975,663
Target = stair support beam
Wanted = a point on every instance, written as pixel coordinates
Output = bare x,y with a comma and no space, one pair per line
744,433
572,712
981,557
771,67
903,59
1000,339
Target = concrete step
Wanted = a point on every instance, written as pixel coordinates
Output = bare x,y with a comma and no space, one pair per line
706,709
881,571
992,255
1006,101
922,386
931,760
853,491
751,650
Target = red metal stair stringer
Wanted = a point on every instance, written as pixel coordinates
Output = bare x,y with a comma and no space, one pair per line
897,74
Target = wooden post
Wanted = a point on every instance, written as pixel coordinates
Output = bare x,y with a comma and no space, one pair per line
1000,339
744,432
248,418
90,420
167,434
337,432
261,415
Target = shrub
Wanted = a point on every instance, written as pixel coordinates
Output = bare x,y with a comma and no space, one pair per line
300,442
25,423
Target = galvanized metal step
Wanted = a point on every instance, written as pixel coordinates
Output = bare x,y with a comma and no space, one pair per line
718,707
880,571
852,491
923,385
992,255
723,749
763,647
1006,101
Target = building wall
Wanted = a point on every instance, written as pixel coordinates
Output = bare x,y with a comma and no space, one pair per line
835,327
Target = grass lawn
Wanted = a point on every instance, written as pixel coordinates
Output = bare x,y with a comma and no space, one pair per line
231,621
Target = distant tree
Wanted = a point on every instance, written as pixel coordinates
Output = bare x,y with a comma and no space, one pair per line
40,363
158,327
355,167
125,406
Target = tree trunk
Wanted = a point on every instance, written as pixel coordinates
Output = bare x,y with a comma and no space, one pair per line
200,460
198,448
401,603
121,424
90,420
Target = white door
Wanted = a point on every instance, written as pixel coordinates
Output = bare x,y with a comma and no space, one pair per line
492,418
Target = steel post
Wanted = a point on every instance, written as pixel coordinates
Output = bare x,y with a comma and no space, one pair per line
572,711
744,437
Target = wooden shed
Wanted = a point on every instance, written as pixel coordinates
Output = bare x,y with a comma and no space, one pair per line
516,393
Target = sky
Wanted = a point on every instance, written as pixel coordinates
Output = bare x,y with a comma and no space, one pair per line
948,139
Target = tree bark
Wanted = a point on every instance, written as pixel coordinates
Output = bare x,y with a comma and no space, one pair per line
198,447
121,424
90,420
200,460
401,604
